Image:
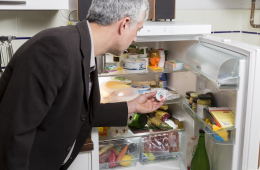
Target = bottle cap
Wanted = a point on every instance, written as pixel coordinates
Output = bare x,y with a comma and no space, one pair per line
204,96
202,131
189,92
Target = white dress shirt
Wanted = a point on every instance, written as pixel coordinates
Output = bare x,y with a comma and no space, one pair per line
92,68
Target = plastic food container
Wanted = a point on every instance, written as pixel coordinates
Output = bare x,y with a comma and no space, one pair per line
174,65
110,67
160,147
119,154
134,65
141,89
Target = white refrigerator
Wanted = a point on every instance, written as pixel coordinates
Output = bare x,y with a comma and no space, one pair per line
230,69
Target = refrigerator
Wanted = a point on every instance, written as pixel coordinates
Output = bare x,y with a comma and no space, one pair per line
230,69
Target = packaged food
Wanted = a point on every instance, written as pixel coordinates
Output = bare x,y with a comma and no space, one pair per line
161,95
193,96
203,102
187,98
164,107
141,89
194,105
122,79
174,65
102,131
173,142
110,67
161,115
157,122
112,159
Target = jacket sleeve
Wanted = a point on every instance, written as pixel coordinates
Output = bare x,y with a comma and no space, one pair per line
33,79
112,114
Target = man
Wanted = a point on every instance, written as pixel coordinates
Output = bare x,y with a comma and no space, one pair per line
49,92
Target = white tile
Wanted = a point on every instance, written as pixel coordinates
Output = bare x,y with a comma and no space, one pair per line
22,42
232,20
30,23
231,36
16,45
214,18
179,15
194,16
246,21
251,39
54,19
8,23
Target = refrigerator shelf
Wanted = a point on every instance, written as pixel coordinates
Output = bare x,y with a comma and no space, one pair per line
213,135
147,71
130,134
230,83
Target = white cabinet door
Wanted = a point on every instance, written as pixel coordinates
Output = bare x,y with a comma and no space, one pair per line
34,4
82,162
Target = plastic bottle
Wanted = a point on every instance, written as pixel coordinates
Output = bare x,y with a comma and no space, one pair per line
200,160
163,81
162,60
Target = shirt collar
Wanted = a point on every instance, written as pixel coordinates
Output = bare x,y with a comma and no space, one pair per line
92,59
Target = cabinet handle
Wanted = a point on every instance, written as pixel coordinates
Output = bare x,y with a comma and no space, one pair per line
12,2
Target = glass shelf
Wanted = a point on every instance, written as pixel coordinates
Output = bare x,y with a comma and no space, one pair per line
130,134
213,135
230,83
147,71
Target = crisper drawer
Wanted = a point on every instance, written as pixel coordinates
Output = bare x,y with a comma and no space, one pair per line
161,147
120,153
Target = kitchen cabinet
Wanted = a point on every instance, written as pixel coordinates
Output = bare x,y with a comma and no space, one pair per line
36,5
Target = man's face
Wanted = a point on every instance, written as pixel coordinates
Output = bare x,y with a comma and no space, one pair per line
126,38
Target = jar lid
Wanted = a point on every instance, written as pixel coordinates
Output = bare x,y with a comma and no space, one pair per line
204,96
187,96
195,100
189,92
195,95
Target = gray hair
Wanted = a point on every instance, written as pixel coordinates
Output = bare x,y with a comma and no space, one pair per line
107,12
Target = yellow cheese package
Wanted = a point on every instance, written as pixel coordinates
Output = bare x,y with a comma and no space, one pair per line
223,115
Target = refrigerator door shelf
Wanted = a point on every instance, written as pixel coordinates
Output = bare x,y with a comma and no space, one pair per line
228,83
216,65
215,136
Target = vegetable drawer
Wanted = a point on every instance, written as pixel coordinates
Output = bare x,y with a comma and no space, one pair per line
117,154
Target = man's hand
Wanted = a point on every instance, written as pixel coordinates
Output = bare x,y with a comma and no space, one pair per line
145,103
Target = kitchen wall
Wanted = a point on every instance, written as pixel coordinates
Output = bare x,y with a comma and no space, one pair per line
229,19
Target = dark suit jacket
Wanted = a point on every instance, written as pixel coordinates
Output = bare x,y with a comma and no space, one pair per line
44,105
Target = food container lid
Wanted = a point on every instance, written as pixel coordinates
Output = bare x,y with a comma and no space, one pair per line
195,95
204,96
189,92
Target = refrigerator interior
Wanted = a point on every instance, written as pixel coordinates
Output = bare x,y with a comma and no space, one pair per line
221,156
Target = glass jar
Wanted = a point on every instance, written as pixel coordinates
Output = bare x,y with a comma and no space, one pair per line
203,102
194,105
193,96
187,98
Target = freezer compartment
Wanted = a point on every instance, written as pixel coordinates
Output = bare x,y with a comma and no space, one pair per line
226,136
216,65
118,154
161,147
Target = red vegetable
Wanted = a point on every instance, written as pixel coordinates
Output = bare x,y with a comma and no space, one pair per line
112,159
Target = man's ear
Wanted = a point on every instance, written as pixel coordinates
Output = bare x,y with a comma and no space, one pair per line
124,25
